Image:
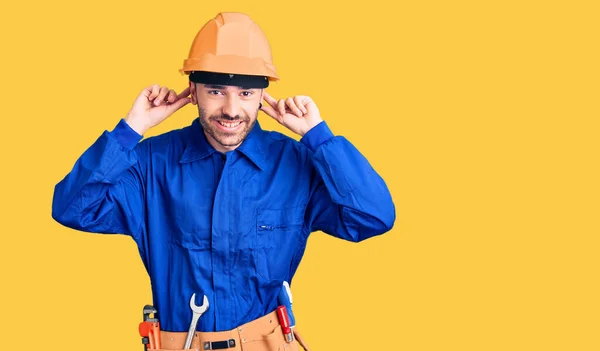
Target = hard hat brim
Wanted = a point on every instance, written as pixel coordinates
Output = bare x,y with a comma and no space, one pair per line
239,80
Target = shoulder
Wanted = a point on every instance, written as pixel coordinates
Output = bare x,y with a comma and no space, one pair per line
172,142
280,143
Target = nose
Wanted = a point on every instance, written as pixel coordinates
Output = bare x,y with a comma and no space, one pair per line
231,107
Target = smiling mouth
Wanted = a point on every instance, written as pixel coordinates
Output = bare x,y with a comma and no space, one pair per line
230,124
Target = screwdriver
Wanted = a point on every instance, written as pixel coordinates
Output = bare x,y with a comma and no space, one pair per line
285,299
285,323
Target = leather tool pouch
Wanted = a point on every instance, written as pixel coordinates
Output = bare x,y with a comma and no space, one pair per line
262,334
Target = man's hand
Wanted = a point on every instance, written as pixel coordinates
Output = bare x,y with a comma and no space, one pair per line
153,106
298,114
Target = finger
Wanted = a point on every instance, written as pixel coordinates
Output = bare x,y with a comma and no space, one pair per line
184,93
171,96
146,92
292,106
154,90
300,103
161,96
270,111
270,100
281,107
177,105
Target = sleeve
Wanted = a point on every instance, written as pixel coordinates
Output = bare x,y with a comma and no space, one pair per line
348,198
103,193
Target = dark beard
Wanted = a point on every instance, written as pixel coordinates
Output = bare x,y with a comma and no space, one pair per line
225,139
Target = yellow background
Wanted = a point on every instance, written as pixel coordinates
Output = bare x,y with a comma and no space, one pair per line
482,116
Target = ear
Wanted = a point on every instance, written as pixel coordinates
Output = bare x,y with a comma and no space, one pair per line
262,93
193,92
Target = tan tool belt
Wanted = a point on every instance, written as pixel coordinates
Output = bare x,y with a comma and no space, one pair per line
262,334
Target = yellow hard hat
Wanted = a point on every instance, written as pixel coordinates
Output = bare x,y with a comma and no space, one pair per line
231,49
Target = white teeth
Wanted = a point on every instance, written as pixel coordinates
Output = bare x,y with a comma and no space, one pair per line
229,125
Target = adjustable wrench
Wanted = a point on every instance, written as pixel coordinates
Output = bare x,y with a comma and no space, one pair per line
197,311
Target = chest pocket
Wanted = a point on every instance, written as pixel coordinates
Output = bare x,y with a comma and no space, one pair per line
188,208
278,237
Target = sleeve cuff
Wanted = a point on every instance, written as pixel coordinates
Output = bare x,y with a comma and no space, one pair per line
125,135
317,136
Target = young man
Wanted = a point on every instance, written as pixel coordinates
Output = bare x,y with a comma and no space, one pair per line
222,208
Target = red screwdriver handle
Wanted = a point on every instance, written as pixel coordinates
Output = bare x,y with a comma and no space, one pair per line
285,322
283,317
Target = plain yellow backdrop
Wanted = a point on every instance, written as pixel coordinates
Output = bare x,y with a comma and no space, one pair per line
482,117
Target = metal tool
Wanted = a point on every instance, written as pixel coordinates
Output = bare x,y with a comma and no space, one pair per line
150,334
148,310
197,311
144,329
150,329
284,321
285,298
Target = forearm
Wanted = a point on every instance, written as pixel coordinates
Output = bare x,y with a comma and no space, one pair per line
91,189
354,199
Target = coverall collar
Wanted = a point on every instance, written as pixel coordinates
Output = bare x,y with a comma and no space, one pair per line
197,146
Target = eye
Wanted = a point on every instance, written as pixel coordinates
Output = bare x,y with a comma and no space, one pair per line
247,93
214,92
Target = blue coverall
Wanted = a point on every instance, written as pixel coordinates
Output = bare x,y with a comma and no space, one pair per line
230,226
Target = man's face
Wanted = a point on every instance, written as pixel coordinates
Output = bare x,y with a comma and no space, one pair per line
227,113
